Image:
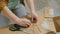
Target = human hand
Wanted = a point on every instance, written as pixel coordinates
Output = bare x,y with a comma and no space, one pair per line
24,22
34,17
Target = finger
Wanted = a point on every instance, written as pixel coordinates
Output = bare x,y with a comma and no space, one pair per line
27,25
32,16
29,22
34,20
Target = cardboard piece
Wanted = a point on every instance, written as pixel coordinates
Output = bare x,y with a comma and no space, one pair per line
57,23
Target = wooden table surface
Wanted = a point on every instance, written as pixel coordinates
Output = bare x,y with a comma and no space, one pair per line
34,28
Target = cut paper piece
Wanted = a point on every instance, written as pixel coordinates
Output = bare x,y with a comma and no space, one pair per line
49,12
50,20
45,25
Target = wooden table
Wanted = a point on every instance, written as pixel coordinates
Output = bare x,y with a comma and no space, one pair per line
34,28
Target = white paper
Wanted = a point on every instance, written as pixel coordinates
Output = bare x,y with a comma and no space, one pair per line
45,25
51,12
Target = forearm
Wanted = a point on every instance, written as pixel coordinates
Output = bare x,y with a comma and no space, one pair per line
30,5
9,14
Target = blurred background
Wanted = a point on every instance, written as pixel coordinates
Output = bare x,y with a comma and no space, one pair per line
54,4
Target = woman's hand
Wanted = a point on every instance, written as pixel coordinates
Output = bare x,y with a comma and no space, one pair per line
30,4
24,22
34,17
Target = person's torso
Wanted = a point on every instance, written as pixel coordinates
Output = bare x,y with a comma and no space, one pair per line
13,3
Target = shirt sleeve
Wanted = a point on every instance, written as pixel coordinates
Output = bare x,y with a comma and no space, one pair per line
3,3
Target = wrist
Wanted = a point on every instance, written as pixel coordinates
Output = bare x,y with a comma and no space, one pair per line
17,19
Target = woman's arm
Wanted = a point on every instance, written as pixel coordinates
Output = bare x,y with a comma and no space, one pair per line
20,21
32,9
30,5
5,10
8,13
